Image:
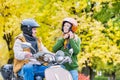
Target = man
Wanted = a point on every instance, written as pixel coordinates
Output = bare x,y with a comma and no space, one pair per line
69,41
22,64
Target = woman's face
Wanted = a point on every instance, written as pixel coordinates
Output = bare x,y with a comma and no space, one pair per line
34,31
66,27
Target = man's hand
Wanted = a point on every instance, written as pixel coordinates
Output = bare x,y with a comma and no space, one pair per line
28,55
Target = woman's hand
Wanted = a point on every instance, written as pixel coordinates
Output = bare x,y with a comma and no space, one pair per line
66,36
71,34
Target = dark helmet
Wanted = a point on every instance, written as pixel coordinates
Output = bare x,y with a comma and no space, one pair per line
27,25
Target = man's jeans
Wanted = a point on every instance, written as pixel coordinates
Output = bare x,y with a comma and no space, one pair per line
74,74
28,71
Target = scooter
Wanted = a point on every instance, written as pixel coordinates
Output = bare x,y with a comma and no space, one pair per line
54,72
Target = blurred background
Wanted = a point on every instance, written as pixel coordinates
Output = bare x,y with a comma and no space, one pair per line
99,30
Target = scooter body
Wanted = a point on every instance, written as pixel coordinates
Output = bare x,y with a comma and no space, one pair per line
57,73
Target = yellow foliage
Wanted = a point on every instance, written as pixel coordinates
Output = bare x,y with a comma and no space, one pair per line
97,41
3,52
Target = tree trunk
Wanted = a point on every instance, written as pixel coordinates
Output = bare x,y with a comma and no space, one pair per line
8,37
88,71
92,74
112,76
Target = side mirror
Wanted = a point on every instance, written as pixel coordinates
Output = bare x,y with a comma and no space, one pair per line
71,51
25,45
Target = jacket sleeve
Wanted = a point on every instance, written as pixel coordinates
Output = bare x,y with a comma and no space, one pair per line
18,51
75,44
58,45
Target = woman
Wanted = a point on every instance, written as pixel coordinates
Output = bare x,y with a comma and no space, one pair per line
69,40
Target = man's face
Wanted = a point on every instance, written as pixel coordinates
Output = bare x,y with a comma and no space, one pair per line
34,31
66,27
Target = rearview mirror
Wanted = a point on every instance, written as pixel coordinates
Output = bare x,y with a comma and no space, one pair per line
71,51
25,45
